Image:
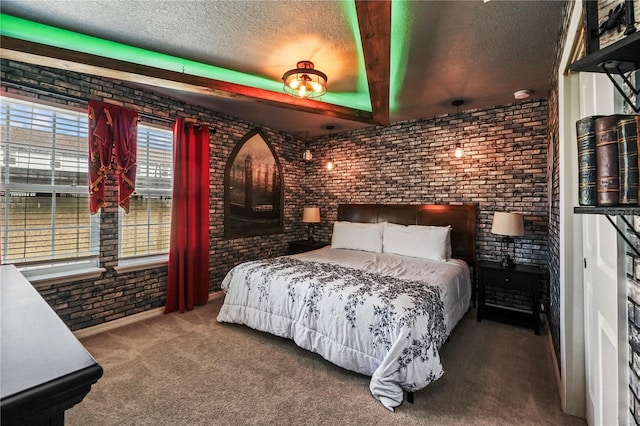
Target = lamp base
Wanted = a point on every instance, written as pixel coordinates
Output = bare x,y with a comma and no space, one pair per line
507,262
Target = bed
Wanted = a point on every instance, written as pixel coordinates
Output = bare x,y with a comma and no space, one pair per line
380,300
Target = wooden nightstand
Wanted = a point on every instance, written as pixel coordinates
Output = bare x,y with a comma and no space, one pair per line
301,246
524,278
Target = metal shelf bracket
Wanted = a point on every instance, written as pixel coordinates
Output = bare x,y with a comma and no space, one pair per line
607,67
622,233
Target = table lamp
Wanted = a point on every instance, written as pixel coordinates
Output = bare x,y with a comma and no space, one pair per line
310,215
508,225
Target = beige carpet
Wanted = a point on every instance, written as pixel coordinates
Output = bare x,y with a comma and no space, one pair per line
188,369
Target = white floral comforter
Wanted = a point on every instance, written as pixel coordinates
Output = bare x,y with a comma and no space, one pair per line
382,315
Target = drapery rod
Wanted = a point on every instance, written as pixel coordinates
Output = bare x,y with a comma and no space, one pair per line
76,99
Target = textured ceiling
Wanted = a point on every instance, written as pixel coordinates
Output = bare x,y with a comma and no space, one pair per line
440,51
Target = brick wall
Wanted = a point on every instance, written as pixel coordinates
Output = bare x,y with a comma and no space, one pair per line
114,295
503,169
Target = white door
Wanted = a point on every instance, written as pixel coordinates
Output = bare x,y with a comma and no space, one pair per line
604,281
601,261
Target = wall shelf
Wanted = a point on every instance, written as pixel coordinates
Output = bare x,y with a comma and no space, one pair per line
609,211
620,58
623,54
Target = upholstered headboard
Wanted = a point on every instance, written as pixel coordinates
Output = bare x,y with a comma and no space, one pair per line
462,219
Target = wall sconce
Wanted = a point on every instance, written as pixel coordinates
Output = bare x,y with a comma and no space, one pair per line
459,152
509,225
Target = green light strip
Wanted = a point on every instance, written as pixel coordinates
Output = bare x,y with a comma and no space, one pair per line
362,83
22,29
400,29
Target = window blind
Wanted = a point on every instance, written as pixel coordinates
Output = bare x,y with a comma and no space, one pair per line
146,230
43,184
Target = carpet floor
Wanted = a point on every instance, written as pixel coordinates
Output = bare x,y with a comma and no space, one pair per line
188,369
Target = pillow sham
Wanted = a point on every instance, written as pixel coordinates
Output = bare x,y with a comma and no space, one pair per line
357,236
425,242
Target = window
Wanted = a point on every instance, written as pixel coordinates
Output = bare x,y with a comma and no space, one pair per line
146,229
44,202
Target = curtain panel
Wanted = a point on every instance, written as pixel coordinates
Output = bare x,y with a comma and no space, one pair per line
188,280
113,142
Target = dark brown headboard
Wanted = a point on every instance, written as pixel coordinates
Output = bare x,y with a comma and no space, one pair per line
462,219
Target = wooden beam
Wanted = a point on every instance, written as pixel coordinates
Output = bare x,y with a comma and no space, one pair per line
55,57
374,20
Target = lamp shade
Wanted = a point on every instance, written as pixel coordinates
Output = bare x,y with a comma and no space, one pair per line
510,224
311,215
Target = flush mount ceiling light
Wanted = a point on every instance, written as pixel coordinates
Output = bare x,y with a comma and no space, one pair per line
522,94
304,81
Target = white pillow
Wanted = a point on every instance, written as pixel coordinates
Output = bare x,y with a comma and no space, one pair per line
357,236
425,242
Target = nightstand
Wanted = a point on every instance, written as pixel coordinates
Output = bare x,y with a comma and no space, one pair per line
524,278
301,246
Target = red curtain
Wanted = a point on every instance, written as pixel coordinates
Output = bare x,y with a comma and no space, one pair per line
113,135
188,281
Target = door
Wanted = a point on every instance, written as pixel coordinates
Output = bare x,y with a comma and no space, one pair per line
601,275
604,282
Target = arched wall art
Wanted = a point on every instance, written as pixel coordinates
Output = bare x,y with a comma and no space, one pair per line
253,189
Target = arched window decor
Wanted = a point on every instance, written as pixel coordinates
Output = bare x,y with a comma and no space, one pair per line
253,189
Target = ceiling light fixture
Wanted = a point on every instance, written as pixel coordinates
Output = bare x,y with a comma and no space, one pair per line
459,151
330,163
522,94
307,155
304,81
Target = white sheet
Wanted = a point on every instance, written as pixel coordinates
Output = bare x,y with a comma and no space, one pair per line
378,314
